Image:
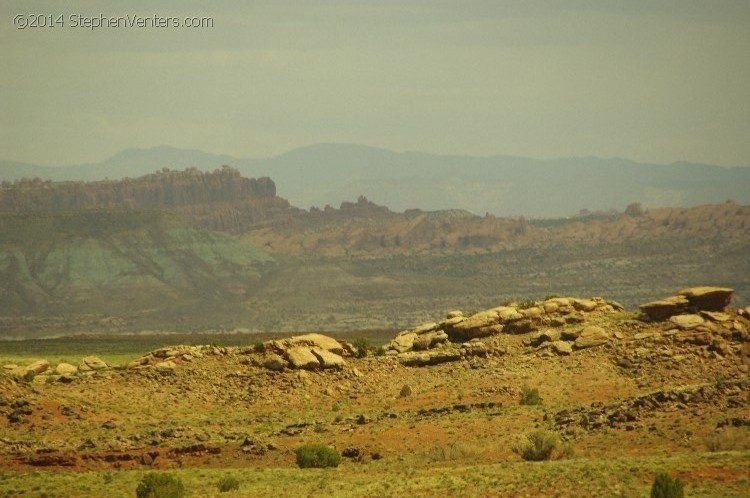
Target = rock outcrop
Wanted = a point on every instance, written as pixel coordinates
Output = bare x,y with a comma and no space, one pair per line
690,300
308,352
447,354
33,369
552,313
169,358
665,308
65,369
92,363
591,336
708,298
302,357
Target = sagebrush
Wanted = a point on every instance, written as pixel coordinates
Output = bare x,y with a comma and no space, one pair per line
530,396
160,486
667,487
317,455
538,446
228,483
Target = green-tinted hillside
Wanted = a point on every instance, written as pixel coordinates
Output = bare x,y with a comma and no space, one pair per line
122,264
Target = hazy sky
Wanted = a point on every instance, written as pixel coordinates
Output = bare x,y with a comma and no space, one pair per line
647,80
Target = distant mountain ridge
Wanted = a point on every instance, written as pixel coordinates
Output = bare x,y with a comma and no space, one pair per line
328,174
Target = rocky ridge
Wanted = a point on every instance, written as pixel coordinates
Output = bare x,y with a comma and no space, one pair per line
694,299
560,317
41,371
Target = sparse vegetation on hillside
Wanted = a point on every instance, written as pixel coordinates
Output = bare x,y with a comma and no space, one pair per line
530,396
665,486
318,456
537,446
228,483
728,439
158,485
363,347
451,452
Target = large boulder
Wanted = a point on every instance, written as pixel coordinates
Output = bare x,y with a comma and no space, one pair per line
315,340
563,348
35,368
534,312
90,363
274,362
403,342
521,326
570,334
591,336
65,369
584,304
423,337
558,305
302,357
425,327
481,324
550,307
708,298
142,362
664,308
430,358
478,320
687,322
716,316
39,366
166,366
508,314
328,359
429,340
550,335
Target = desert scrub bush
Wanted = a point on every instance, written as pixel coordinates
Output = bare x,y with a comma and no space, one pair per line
317,455
538,446
728,440
720,380
405,391
666,487
228,483
530,396
363,347
160,486
526,303
720,442
450,452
